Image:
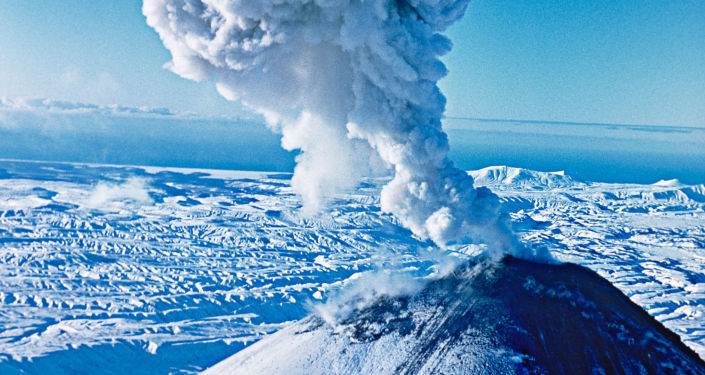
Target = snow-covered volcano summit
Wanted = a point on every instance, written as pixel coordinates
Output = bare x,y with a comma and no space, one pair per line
509,317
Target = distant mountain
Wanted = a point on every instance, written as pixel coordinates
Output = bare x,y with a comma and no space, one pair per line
510,317
521,177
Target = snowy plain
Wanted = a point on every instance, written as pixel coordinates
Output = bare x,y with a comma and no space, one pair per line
113,269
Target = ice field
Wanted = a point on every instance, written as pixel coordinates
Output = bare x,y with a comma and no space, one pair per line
158,270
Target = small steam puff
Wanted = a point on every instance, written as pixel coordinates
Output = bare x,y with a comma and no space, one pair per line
105,195
350,83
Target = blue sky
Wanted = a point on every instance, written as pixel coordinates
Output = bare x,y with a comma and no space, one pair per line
592,61
637,62
99,52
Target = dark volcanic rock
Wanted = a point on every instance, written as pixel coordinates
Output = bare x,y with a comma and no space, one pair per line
511,317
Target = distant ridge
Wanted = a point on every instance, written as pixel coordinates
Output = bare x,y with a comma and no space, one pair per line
520,177
515,121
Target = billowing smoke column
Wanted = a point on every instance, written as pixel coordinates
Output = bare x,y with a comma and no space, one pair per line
350,83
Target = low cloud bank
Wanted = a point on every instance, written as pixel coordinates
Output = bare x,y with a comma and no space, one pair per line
52,106
54,130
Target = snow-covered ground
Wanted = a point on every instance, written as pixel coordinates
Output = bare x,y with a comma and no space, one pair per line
108,269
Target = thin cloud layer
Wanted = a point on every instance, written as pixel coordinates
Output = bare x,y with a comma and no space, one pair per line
52,106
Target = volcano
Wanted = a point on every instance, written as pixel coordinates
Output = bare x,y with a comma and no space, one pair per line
487,317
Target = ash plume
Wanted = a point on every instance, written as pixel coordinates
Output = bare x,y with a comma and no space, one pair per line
350,83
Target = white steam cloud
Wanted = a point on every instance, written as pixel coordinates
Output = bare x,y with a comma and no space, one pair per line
350,83
108,196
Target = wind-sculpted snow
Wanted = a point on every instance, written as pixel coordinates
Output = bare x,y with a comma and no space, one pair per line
648,240
175,270
352,84
194,272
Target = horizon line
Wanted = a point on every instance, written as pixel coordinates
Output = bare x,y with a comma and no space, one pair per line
578,123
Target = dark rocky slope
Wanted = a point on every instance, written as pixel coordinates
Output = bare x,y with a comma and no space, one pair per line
508,317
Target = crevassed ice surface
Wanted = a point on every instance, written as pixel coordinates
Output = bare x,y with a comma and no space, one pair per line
149,270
